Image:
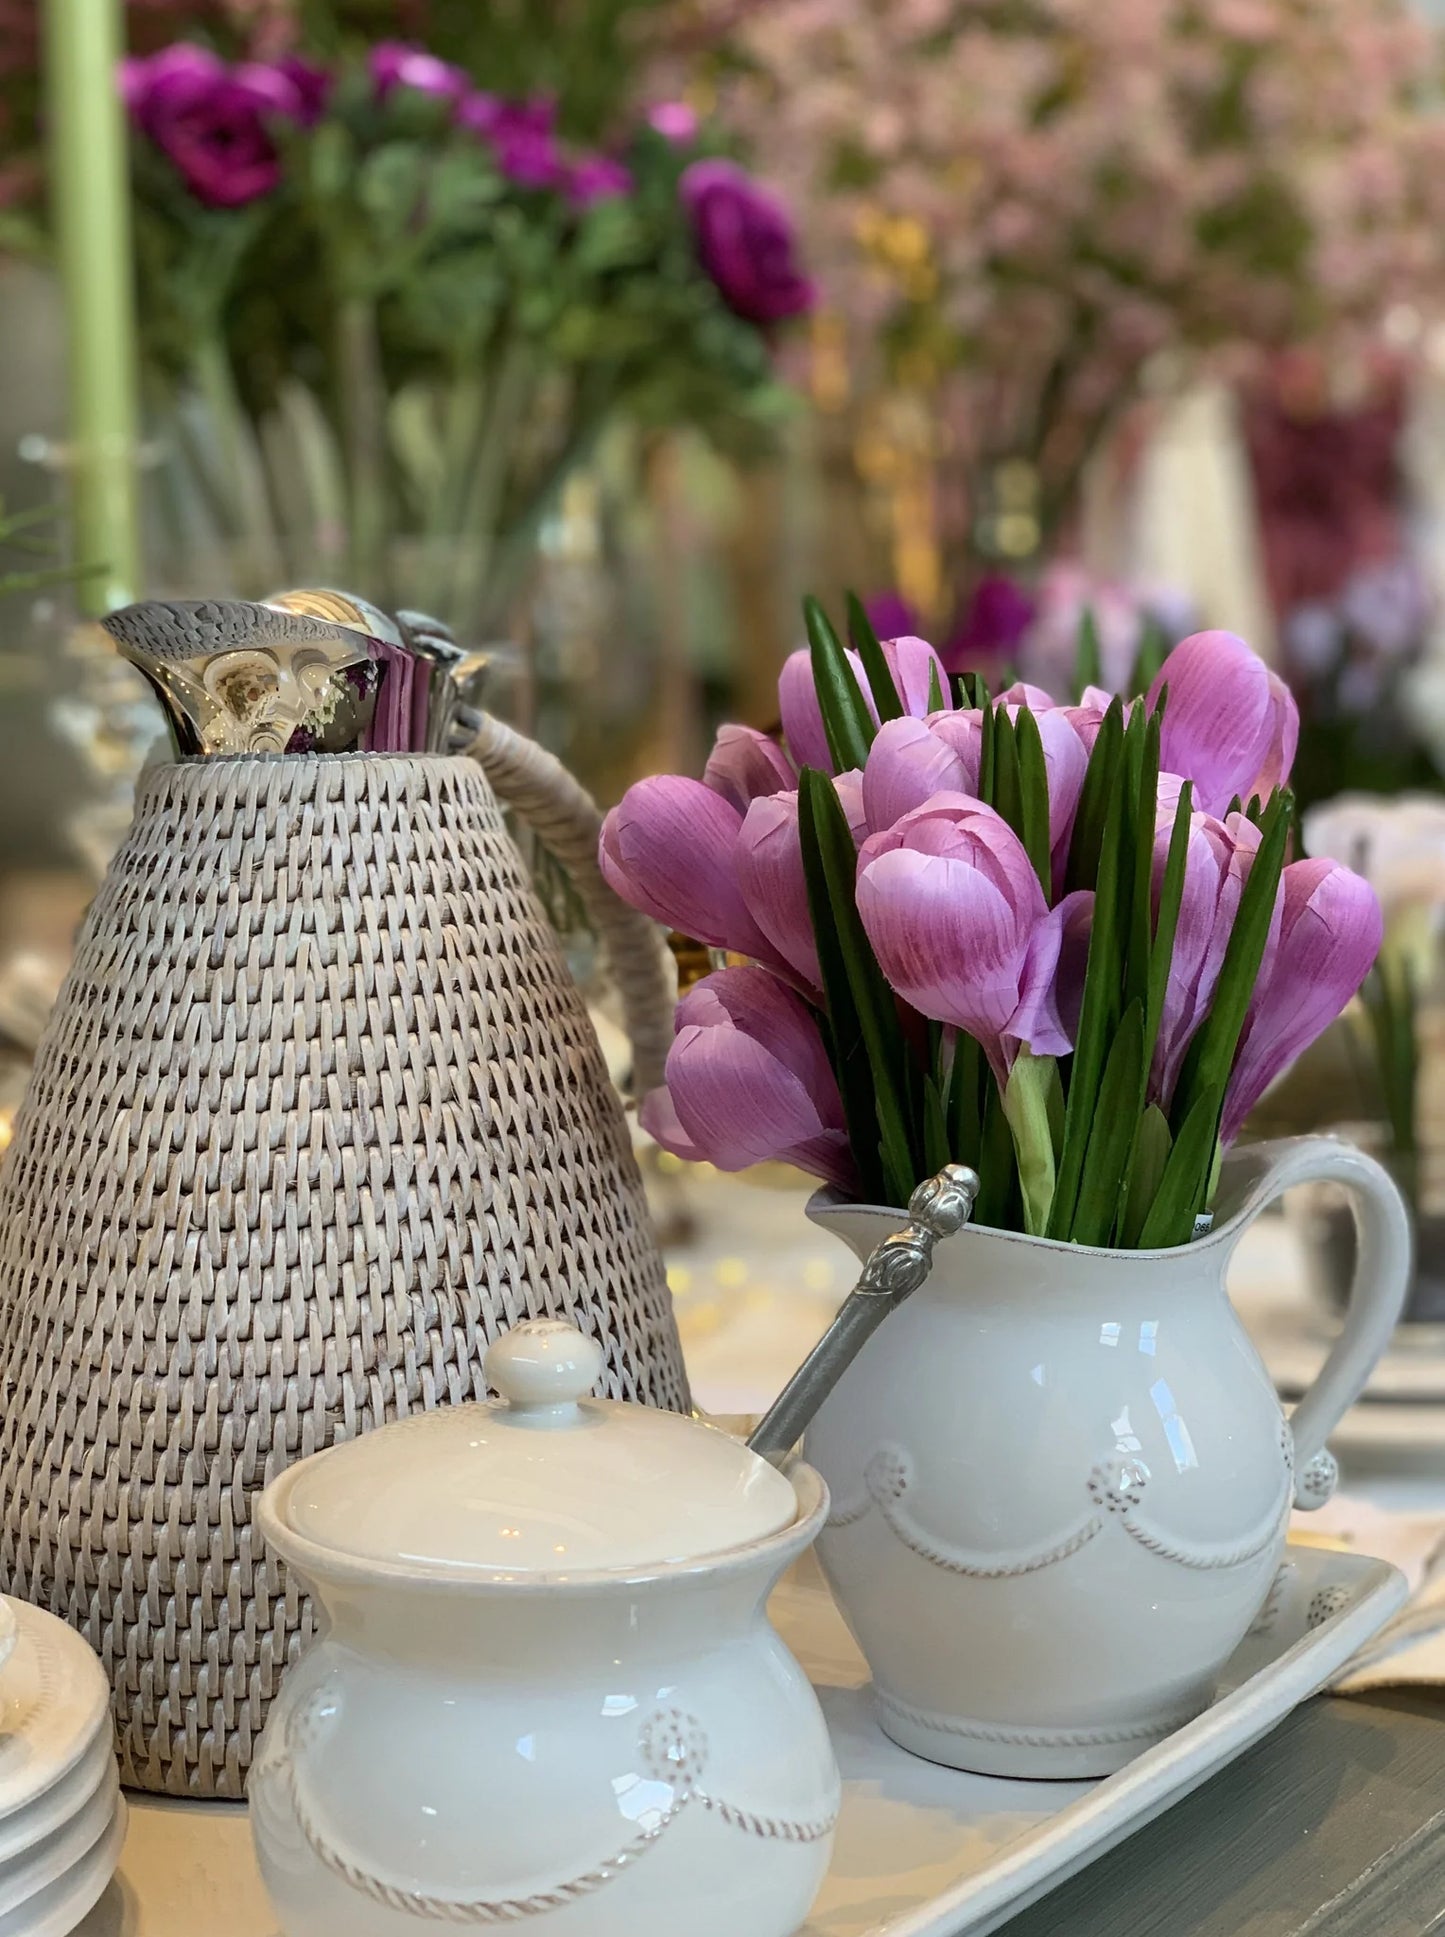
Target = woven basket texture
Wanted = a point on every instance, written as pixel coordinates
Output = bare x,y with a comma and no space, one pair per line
318,1113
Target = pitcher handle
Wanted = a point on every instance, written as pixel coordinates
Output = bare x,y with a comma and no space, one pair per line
564,816
1261,1172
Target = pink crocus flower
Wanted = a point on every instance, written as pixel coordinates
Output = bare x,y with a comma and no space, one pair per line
912,662
748,1081
1231,725
961,929
669,848
1329,935
770,873
1217,862
911,760
745,764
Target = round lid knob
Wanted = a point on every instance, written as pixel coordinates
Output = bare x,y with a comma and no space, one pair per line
544,1480
545,1365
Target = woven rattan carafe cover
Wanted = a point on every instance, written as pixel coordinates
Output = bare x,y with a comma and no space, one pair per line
319,1112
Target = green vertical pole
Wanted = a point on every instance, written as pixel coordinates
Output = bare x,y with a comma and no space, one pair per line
90,211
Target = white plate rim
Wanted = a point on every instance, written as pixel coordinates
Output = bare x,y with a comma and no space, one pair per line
73,1895
78,1665
48,1811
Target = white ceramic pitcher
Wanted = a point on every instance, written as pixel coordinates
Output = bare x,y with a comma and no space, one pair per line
1060,1476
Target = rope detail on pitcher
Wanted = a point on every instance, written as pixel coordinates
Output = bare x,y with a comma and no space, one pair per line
672,1748
1116,1489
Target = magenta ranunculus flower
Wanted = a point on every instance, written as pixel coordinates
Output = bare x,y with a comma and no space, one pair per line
312,83
394,64
1231,725
994,625
1329,934
213,121
748,1081
596,178
746,242
522,135
912,663
960,926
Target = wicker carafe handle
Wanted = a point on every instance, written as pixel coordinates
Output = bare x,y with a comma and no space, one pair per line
565,816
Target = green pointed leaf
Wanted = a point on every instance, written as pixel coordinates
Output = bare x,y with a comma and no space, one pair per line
1166,920
1153,651
996,1167
1184,1187
1105,1174
1034,798
988,753
1026,1106
1152,1144
936,1152
936,701
975,690
848,1052
1008,798
889,1058
1102,1005
847,722
1088,664
1094,798
1211,1054
1143,807
966,1100
875,666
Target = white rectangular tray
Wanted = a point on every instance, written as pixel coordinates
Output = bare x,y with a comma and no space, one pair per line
923,1851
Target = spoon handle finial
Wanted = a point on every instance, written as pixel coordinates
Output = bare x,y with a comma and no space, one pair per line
893,1272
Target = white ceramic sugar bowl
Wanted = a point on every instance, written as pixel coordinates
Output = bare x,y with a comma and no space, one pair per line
546,1691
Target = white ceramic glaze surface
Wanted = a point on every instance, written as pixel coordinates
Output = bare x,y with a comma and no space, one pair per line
544,1480
1061,1477
622,1749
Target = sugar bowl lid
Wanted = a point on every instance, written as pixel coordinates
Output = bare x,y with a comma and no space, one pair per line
544,1480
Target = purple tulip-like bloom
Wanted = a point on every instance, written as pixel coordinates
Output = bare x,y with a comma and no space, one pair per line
745,765
213,121
748,1081
912,663
911,760
771,876
1231,725
961,929
1329,935
745,242
596,178
395,64
1217,862
675,121
669,848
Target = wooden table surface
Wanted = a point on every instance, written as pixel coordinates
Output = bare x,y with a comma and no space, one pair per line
1334,1826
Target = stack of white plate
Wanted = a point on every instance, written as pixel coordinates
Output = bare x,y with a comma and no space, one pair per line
62,1818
